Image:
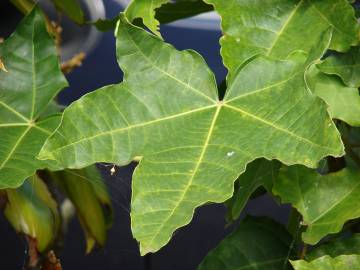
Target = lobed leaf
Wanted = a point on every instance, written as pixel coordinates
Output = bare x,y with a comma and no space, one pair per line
326,202
278,27
26,90
192,145
257,244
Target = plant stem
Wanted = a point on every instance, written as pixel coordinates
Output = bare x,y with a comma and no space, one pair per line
33,253
303,251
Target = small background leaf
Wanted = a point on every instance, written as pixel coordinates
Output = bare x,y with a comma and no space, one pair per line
344,262
145,9
32,211
325,202
336,247
343,101
170,12
345,65
71,8
260,172
89,195
257,244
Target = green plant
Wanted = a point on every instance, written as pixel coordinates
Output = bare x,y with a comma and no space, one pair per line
288,122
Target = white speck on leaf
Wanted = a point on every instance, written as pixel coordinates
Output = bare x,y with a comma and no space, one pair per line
230,154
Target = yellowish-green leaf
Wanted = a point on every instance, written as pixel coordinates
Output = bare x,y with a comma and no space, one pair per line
278,27
31,210
32,81
192,145
343,262
326,202
89,195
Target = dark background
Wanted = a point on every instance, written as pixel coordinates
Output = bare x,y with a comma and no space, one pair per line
189,244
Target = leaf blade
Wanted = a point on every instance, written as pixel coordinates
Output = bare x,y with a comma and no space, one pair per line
258,243
134,120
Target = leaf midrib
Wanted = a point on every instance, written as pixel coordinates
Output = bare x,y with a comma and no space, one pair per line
17,143
33,101
283,28
189,184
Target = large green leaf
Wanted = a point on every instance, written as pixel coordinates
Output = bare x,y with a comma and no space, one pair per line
145,9
344,262
31,210
343,101
87,192
257,244
192,146
32,80
278,27
346,66
347,246
260,172
326,202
